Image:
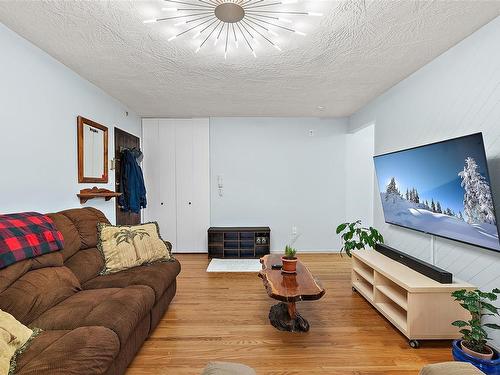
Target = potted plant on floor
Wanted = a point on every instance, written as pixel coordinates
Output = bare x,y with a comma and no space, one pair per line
355,236
289,260
473,346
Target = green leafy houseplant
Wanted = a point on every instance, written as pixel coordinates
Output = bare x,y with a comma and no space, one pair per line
355,236
290,252
476,303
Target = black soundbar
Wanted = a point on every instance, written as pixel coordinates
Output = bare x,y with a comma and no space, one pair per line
433,272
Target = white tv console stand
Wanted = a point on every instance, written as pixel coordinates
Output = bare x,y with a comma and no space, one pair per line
418,306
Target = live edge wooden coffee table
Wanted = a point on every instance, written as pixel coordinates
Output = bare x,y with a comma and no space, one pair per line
289,288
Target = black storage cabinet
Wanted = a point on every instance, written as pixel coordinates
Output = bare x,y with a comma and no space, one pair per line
238,242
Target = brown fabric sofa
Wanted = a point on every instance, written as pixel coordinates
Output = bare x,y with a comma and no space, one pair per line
92,324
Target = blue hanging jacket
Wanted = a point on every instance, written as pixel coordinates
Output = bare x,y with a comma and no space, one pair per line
132,187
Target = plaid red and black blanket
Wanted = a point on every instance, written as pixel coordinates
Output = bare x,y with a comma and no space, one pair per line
27,235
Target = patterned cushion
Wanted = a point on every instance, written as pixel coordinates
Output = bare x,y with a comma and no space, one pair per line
125,246
27,235
13,338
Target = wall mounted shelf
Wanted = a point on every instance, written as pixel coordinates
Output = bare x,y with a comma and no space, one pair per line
95,192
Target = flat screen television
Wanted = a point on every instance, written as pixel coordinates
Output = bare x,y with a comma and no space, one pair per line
442,189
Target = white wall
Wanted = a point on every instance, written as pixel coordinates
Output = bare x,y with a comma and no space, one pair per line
40,100
360,175
456,94
276,175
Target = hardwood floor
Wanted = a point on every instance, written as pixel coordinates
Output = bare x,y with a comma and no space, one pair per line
225,317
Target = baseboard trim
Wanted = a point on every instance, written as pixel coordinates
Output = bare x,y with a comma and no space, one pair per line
310,251
189,252
316,251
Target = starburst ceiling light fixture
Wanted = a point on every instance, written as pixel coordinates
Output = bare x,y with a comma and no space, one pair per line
233,21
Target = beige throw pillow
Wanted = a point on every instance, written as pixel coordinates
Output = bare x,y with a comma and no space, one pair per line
125,246
14,337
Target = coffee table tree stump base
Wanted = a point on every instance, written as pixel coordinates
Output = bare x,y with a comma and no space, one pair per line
280,318
289,289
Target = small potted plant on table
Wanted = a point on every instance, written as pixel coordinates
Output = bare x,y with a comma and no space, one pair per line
289,260
473,346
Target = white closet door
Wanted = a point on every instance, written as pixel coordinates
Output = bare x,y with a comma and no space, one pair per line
159,176
166,178
201,186
193,185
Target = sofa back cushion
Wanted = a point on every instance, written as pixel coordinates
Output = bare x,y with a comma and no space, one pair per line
12,273
70,234
37,291
86,264
85,220
79,228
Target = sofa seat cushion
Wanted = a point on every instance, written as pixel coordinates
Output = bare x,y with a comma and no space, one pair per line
119,309
158,276
89,350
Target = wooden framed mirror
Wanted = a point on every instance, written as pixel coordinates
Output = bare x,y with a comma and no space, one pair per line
92,151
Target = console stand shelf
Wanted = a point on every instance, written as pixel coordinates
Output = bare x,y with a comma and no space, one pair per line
418,306
238,242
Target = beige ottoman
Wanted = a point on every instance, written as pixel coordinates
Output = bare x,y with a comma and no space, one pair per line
451,368
226,368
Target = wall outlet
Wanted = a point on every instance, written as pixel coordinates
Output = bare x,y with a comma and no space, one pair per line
294,230
311,132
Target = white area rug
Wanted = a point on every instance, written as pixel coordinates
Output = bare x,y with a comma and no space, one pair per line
234,265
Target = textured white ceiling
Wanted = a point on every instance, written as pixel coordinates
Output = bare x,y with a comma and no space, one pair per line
355,52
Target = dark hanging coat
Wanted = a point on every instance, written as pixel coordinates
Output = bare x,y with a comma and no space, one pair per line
132,187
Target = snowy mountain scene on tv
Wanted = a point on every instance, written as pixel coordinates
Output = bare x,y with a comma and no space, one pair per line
441,189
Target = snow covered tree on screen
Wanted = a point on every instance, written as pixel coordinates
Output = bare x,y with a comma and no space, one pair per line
412,195
392,191
392,188
478,203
